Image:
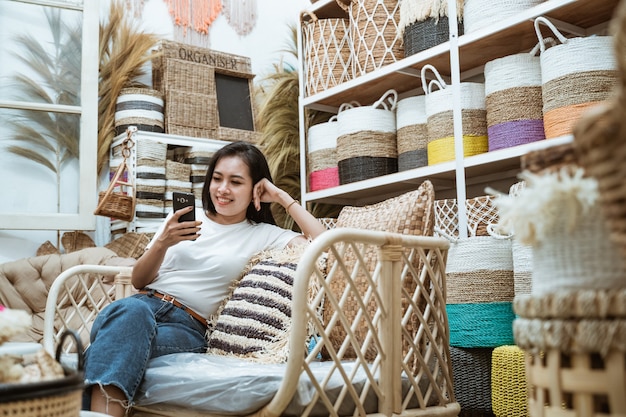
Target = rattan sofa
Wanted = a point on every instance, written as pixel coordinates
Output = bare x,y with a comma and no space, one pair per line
392,357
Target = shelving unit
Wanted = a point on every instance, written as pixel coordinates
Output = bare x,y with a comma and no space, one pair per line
461,58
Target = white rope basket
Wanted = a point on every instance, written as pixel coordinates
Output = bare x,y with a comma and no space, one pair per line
322,155
478,14
412,132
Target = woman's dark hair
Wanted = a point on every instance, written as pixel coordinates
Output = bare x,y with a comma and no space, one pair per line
257,164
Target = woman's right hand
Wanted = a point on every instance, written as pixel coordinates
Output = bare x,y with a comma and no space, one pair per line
175,231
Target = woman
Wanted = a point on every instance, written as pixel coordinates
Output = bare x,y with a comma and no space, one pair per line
185,273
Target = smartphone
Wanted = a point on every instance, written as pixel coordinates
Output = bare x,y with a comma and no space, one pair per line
182,200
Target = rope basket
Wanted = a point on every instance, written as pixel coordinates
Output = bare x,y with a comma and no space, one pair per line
440,121
471,373
509,392
374,34
425,24
322,155
366,143
522,255
141,107
599,142
576,74
482,13
513,100
412,133
326,50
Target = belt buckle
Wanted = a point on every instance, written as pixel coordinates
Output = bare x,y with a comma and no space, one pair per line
168,298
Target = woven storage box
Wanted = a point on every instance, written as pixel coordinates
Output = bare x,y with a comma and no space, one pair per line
412,133
425,24
326,47
182,75
471,373
322,155
191,113
440,123
513,100
576,74
482,13
374,33
141,107
366,143
509,392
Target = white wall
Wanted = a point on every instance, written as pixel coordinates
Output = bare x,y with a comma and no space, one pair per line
263,45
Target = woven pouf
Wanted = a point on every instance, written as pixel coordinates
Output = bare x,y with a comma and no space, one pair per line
366,144
471,373
141,107
439,115
576,74
482,13
412,133
509,392
322,155
513,100
425,24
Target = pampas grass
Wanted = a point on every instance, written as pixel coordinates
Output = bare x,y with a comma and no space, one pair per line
124,52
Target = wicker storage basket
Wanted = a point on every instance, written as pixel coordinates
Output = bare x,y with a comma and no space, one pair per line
182,75
480,211
425,24
522,255
576,74
482,13
412,133
374,34
440,118
191,114
471,373
322,155
366,143
513,100
141,107
326,47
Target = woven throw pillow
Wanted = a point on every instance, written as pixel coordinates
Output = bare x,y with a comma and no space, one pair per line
411,213
254,321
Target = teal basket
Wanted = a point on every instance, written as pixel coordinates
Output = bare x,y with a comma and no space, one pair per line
476,325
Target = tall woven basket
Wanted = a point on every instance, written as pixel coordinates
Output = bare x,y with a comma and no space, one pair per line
322,155
440,119
412,133
327,52
513,100
482,13
367,143
374,33
576,74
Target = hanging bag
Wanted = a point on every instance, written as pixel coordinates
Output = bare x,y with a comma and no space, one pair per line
118,201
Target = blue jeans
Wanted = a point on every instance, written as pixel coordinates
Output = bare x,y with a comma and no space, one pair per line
128,333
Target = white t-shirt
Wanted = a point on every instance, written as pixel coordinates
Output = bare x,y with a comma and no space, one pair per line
198,273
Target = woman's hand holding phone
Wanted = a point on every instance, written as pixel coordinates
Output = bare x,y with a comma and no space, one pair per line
184,213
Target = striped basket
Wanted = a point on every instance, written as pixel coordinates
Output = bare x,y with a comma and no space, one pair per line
374,34
513,100
367,144
141,107
326,49
482,13
471,374
522,255
576,74
425,24
150,201
440,118
412,133
322,155
509,391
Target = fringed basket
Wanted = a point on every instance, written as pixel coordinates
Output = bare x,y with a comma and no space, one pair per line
322,155
600,145
425,24
440,118
576,74
367,144
327,52
412,133
513,100
141,107
482,13
374,34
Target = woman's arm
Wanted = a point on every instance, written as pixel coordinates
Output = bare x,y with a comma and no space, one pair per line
147,266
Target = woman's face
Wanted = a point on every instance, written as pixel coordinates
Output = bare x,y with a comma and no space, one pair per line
231,190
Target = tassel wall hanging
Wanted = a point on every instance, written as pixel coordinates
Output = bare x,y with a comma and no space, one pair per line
192,19
241,15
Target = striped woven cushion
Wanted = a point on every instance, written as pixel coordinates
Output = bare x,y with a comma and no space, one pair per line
254,321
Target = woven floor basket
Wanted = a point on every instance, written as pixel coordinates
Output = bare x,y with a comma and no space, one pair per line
425,24
471,372
513,100
141,107
412,133
322,155
478,14
327,52
367,144
440,118
509,391
576,74
374,33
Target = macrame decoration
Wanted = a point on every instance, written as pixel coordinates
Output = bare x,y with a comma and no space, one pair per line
241,15
135,7
192,19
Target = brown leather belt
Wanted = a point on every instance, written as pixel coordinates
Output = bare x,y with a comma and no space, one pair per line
169,299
